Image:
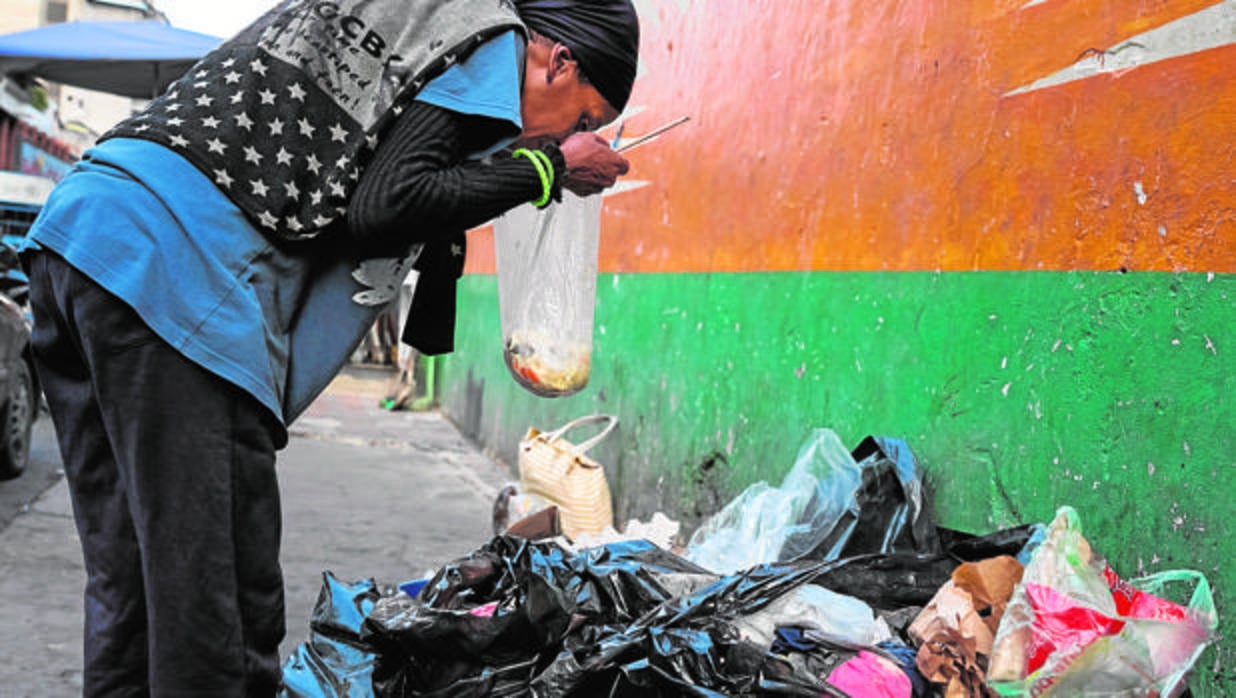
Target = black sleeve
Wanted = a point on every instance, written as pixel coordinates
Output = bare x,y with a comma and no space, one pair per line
420,186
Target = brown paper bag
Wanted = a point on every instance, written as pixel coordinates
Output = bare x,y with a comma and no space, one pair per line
956,630
561,472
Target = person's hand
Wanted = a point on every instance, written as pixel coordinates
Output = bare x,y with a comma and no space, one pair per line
591,164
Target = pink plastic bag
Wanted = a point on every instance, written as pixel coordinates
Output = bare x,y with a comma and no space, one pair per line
1075,628
871,676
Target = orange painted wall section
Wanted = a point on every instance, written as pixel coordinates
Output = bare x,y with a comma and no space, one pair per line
889,135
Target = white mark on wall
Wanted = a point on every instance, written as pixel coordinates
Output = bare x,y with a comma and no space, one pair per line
1032,3
1005,389
1141,193
1150,469
1210,28
1210,345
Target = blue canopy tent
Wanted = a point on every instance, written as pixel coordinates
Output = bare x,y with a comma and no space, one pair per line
132,59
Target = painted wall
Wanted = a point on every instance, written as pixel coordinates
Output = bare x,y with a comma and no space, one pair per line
1000,229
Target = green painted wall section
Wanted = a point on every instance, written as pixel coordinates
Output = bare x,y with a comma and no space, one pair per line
1019,392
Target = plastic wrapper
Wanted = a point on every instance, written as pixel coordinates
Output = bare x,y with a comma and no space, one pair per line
1075,628
547,273
812,606
831,504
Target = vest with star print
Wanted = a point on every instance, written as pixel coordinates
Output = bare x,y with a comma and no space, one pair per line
285,116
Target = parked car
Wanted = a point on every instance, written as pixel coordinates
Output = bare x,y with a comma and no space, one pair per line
19,389
21,198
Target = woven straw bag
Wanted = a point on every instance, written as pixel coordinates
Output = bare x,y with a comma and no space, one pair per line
561,472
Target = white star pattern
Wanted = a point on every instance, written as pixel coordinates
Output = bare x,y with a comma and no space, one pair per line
263,131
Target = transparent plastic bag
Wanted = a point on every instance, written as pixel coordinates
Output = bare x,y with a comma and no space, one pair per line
547,277
1074,628
752,528
829,506
838,617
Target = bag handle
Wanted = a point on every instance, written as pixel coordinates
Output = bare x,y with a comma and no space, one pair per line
582,448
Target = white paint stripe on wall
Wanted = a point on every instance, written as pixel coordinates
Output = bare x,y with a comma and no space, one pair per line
1210,28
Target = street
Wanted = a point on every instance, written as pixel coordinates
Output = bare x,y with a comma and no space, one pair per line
366,493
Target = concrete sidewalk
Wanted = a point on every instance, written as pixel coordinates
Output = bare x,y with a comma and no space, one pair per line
366,494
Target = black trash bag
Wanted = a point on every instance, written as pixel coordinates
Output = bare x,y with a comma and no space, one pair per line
335,662
506,610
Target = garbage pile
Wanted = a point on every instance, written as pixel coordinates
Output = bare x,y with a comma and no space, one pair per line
837,583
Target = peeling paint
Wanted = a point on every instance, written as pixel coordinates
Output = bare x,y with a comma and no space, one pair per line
1208,29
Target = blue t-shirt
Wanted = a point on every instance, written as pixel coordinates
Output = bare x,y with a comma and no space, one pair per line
149,227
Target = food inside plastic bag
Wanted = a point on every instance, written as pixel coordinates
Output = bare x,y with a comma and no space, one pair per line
547,275
1075,628
544,366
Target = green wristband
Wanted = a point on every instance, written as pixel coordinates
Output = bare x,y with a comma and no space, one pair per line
544,170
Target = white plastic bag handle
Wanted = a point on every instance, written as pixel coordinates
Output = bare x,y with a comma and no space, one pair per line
582,448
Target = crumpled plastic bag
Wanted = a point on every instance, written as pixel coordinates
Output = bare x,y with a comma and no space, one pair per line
1074,628
813,607
335,662
832,504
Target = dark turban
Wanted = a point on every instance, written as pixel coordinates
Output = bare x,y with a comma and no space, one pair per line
603,35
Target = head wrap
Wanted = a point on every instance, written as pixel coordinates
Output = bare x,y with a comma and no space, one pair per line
603,35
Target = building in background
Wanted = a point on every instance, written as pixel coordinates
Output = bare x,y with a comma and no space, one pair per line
44,126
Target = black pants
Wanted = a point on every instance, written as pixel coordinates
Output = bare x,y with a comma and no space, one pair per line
172,475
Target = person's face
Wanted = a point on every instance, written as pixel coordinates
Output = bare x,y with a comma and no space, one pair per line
556,101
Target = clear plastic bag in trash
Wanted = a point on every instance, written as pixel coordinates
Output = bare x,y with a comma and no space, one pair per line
547,276
832,504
